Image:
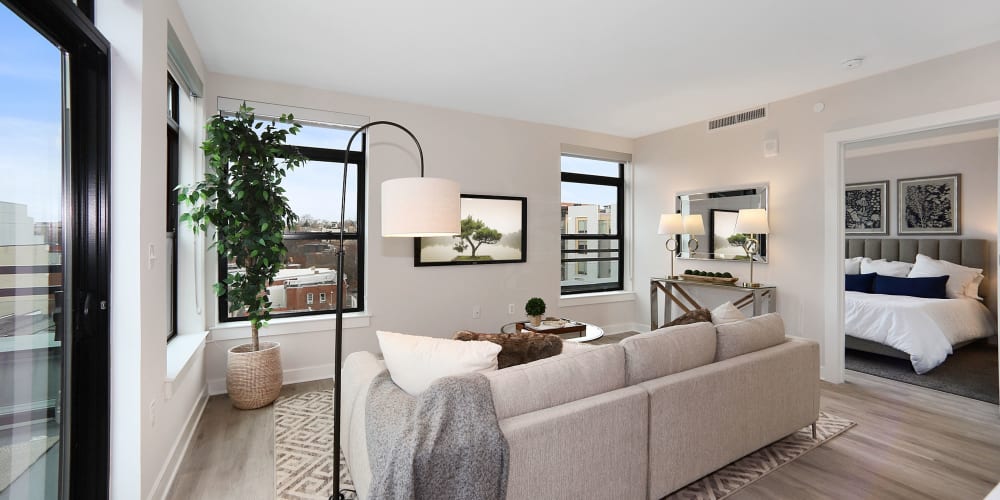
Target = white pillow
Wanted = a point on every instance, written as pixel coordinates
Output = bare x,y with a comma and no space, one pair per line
853,265
727,313
972,291
959,277
415,362
886,268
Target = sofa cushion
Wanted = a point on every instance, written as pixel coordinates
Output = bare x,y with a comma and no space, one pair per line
518,348
668,350
573,375
691,317
414,362
749,335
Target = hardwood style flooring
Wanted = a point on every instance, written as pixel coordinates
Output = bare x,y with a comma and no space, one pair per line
910,442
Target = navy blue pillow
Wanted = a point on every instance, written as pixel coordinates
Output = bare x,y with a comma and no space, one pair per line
929,288
859,282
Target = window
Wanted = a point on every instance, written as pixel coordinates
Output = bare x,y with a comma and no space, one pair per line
313,192
173,176
592,190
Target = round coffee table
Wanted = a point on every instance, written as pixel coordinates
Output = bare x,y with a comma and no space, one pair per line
593,332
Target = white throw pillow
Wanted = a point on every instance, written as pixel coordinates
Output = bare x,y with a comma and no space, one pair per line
959,277
415,362
853,265
727,313
886,268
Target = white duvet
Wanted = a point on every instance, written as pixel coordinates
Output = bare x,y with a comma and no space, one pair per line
926,329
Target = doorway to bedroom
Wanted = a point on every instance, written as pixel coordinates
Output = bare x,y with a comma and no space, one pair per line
920,247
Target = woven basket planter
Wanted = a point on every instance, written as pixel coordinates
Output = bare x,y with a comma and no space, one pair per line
253,378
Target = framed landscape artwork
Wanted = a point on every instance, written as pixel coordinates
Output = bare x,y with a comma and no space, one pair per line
865,208
930,205
493,232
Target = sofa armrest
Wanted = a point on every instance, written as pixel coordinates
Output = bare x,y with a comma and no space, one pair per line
704,418
589,448
359,369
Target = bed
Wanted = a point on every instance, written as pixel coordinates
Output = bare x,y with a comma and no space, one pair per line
924,331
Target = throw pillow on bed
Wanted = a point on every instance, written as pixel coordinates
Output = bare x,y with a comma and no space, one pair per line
518,348
886,267
859,282
853,265
415,362
960,277
928,288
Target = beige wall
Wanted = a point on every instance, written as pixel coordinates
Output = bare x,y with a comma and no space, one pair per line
148,422
486,156
689,158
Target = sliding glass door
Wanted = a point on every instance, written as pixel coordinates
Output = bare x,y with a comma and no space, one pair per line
53,252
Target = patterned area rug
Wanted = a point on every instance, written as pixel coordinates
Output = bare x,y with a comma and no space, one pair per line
747,470
303,440
303,445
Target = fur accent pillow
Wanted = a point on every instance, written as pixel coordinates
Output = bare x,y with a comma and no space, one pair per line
518,348
695,316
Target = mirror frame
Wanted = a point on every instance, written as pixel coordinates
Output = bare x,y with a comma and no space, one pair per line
762,189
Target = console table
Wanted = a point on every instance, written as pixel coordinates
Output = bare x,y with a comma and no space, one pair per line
674,291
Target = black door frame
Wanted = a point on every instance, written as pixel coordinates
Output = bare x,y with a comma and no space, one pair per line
85,433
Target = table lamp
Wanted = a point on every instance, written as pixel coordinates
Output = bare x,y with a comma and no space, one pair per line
672,224
693,226
751,222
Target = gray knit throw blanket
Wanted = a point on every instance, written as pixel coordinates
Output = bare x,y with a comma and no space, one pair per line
444,443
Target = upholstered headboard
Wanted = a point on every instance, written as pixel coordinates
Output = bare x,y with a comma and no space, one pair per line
968,252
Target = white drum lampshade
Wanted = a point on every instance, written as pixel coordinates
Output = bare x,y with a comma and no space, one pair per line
671,224
752,221
694,225
420,206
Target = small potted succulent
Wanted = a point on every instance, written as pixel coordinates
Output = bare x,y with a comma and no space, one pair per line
535,308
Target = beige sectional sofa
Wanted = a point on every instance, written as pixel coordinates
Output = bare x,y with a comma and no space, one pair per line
636,420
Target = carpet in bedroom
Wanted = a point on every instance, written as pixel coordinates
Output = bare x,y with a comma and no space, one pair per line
971,371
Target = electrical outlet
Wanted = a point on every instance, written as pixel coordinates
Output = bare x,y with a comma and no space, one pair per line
510,308
152,413
476,312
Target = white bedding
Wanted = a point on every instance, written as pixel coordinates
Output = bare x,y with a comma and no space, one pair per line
926,329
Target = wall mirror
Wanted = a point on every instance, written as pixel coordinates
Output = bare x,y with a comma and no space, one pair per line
718,210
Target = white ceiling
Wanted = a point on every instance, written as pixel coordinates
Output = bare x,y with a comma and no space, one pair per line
628,68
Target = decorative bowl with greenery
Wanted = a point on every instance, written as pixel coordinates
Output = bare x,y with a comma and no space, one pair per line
535,308
242,198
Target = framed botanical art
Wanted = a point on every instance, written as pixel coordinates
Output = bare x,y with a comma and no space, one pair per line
493,232
930,205
866,207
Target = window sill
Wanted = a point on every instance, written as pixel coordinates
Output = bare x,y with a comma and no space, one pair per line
586,299
181,350
239,330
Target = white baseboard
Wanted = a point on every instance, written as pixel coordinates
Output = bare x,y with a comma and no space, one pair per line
293,376
166,478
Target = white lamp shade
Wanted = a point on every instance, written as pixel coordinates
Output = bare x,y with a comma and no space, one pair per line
694,225
671,224
420,206
752,221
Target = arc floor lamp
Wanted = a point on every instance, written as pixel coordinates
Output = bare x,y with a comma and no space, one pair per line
411,207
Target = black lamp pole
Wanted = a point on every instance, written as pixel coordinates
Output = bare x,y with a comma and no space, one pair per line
339,331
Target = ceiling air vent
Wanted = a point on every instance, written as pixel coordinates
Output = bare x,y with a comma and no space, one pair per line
737,118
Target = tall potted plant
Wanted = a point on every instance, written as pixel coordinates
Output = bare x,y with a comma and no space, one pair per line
241,196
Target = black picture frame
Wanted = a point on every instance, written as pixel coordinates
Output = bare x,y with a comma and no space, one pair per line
506,214
866,208
929,205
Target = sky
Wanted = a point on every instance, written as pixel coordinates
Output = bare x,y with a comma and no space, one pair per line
584,193
30,119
